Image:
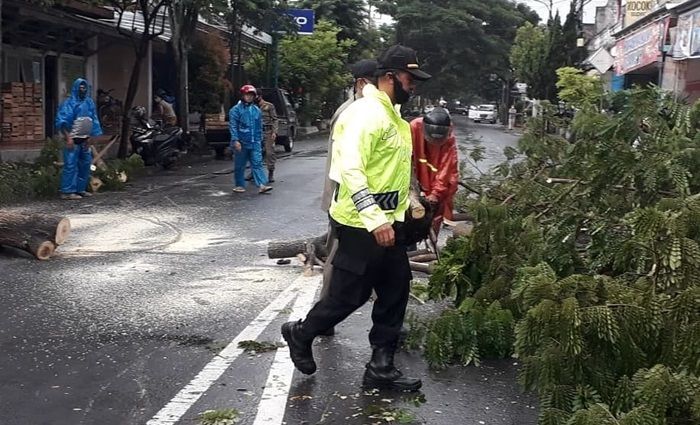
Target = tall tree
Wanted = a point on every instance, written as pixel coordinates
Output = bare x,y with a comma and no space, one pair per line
571,34
462,42
352,17
152,17
184,15
260,14
313,68
528,57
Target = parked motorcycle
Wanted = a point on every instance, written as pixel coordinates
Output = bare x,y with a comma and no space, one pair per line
109,109
155,144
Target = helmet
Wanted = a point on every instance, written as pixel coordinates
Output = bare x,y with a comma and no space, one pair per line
138,112
436,124
248,89
442,102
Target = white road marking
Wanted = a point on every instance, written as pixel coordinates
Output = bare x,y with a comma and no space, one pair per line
183,400
274,399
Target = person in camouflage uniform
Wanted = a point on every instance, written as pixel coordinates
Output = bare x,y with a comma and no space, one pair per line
270,127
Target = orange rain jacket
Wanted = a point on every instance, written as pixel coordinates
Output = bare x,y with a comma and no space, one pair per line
436,169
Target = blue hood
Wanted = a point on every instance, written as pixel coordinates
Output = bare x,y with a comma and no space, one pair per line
75,91
74,107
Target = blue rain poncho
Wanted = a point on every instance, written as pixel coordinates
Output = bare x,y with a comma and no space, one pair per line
77,116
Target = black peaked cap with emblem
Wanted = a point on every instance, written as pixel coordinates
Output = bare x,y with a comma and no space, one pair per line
401,58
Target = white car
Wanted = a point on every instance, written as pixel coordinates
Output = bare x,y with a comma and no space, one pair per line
483,113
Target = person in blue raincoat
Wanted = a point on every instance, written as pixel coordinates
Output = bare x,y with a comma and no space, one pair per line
77,120
245,125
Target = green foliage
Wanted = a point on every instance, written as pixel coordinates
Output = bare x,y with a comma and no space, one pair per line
465,335
463,43
114,177
38,180
219,417
577,89
314,66
207,72
539,51
529,58
352,17
594,247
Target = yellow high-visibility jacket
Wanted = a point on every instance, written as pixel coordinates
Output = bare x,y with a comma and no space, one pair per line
371,162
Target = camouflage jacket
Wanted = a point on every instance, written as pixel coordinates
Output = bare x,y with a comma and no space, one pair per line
269,117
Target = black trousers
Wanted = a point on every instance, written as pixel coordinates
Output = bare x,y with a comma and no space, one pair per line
360,265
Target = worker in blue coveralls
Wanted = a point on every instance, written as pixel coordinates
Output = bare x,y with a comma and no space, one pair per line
245,124
77,120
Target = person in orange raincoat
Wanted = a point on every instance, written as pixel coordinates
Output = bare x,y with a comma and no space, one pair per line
435,162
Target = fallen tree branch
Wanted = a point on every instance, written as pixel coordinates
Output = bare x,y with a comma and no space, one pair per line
292,248
470,188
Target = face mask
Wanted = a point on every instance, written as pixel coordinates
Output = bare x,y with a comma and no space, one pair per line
82,93
401,96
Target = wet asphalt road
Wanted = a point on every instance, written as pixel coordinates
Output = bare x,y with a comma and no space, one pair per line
156,280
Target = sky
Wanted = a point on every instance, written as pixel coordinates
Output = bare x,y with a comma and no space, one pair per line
563,7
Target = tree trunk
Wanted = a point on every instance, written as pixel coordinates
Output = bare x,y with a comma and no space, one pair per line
293,248
141,52
183,97
37,234
2,67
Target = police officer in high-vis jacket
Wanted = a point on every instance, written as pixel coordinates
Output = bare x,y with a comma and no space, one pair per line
371,163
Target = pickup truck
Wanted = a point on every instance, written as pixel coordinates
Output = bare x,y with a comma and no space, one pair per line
218,136
483,113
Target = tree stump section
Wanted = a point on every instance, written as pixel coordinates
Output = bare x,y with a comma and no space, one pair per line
36,234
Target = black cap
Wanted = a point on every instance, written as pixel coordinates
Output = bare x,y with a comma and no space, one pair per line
364,68
401,58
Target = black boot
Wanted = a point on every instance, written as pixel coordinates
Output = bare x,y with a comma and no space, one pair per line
328,332
380,373
299,347
403,335
271,176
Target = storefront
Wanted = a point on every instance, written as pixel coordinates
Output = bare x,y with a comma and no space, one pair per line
43,51
638,54
686,53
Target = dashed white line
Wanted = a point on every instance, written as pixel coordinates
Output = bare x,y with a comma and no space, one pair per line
183,400
274,398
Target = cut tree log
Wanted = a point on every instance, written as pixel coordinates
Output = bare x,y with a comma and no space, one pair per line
422,267
293,248
37,234
412,254
424,258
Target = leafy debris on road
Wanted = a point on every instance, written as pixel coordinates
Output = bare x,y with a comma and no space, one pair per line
389,414
250,346
219,417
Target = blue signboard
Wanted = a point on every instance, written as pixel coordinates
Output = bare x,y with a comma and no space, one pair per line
304,18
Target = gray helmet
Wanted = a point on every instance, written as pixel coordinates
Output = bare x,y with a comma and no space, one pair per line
436,124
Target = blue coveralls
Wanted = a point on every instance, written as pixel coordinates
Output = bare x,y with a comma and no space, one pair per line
77,160
245,125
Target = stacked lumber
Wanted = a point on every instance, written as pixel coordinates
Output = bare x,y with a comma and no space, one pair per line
22,113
